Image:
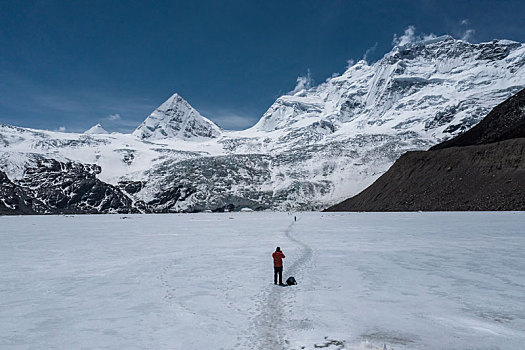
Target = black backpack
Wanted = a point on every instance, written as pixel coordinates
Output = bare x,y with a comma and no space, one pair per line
291,281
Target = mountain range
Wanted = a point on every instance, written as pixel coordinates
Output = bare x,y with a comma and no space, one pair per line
312,148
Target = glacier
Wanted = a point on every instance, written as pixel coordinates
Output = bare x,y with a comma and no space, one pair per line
311,149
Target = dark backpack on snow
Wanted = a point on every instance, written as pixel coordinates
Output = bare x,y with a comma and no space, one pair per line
291,281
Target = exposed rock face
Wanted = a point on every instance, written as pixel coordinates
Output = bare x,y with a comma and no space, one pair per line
131,187
485,175
54,187
15,200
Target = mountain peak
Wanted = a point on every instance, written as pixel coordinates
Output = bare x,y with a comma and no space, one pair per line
96,129
173,99
176,118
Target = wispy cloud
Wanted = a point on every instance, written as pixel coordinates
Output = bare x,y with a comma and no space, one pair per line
369,51
229,119
409,36
113,117
56,102
303,82
406,38
466,33
61,129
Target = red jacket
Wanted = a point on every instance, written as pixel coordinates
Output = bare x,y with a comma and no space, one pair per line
278,259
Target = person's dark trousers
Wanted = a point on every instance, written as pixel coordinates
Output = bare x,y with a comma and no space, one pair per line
278,271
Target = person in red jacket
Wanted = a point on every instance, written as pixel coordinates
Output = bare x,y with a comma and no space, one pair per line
278,257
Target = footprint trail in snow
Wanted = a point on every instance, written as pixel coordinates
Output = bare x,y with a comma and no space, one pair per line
268,330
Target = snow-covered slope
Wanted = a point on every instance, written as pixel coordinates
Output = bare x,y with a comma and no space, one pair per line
366,281
310,149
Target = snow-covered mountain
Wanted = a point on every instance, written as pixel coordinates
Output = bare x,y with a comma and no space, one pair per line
96,129
310,149
176,118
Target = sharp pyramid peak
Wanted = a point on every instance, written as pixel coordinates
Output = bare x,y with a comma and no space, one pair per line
175,99
176,118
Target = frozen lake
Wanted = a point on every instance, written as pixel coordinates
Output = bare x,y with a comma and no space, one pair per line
205,281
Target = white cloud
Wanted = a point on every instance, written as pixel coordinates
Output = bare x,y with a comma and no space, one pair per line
468,34
410,36
62,128
349,63
305,82
115,116
406,38
369,51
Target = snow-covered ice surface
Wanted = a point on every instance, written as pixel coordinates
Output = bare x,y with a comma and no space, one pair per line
205,281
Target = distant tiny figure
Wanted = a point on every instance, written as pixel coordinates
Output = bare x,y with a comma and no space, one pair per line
278,257
295,218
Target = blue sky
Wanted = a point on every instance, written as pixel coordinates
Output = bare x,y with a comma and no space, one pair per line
71,64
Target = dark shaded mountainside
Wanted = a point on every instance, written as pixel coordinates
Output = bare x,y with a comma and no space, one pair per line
482,169
54,187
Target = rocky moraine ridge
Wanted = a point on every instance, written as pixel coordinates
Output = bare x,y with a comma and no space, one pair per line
312,148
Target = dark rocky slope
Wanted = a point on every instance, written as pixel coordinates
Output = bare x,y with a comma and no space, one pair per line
16,200
482,169
54,187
